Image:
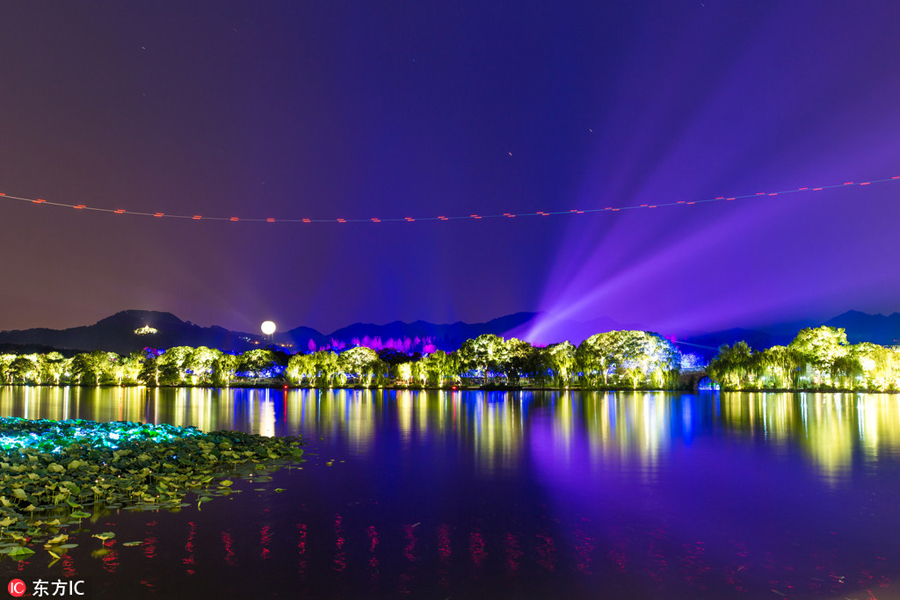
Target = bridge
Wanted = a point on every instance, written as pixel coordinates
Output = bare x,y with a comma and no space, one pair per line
691,378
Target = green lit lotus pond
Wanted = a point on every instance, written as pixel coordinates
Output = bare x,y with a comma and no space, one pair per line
54,472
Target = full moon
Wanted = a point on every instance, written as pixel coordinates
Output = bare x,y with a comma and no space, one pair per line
268,327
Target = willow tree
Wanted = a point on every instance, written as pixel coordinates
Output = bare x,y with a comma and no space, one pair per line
562,361
438,367
780,367
328,369
302,368
734,367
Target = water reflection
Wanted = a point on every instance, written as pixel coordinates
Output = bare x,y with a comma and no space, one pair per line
830,428
635,429
638,494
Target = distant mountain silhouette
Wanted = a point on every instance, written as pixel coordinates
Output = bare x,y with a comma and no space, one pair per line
119,333
859,326
863,327
707,344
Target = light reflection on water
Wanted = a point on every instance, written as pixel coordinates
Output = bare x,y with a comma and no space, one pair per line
635,428
632,494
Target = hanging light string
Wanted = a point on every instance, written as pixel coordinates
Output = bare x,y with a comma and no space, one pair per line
506,215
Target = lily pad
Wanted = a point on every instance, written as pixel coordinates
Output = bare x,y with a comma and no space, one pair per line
21,552
61,468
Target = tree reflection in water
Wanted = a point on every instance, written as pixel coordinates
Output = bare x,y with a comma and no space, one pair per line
513,494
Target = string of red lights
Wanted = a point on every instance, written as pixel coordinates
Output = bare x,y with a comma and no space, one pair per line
506,215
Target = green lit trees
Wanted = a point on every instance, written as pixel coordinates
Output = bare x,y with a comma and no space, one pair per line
328,369
173,365
24,369
302,369
521,359
361,363
53,366
92,368
779,367
628,359
125,369
561,360
820,348
817,358
317,369
483,355
438,368
224,368
200,366
735,367
256,363
5,361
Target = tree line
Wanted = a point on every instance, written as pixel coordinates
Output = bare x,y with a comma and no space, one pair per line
818,358
610,360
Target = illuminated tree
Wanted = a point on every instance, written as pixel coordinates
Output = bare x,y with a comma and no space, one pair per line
92,368
173,365
360,362
780,367
628,358
561,360
24,369
126,369
879,366
594,356
820,347
53,366
149,374
328,369
302,368
200,365
438,367
405,372
224,368
257,363
734,367
5,361
483,354
845,370
520,359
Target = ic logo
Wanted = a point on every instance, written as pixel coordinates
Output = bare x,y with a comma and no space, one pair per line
16,588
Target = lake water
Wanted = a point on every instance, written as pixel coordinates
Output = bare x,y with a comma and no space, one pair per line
510,495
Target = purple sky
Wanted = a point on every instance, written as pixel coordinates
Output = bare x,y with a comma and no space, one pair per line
375,109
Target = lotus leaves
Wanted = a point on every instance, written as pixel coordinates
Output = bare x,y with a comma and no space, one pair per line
51,471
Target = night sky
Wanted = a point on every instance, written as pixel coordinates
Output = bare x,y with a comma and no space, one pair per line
360,110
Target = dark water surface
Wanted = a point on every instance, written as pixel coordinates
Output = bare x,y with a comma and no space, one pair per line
510,495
